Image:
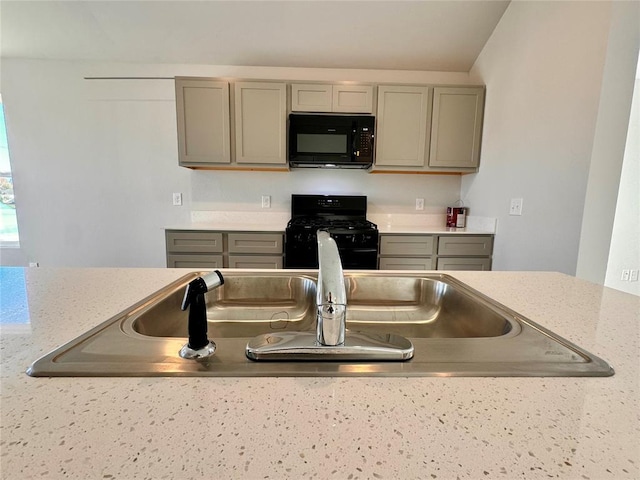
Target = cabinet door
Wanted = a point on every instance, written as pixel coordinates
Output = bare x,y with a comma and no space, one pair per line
255,243
456,126
470,245
311,97
194,261
202,108
193,241
261,122
411,245
405,263
255,261
462,263
402,126
352,98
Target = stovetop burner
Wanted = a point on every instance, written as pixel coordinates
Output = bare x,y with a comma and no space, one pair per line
314,223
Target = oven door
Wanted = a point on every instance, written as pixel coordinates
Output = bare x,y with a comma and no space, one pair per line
301,251
352,259
359,259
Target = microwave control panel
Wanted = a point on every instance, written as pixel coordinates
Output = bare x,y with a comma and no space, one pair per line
366,141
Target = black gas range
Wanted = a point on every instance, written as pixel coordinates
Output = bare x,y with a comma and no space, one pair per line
344,217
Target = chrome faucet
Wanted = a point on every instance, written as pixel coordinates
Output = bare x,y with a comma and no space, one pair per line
329,343
331,294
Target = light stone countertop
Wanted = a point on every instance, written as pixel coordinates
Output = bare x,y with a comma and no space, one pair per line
388,223
343,428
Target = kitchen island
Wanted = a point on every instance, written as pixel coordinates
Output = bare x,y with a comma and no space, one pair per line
344,428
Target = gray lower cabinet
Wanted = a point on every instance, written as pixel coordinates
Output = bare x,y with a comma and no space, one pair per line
255,243
405,263
193,241
219,249
255,261
193,261
435,252
406,252
255,250
462,263
465,245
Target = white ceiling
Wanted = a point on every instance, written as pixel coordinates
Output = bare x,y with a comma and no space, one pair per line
413,35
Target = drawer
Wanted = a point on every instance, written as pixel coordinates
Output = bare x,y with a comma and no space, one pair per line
461,263
255,243
405,263
193,242
255,261
415,245
194,261
465,245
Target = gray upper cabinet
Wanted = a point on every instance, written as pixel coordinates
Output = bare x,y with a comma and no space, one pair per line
261,123
352,98
402,126
340,98
242,124
456,127
311,97
202,108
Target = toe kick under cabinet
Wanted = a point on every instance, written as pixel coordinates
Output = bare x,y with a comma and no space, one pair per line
435,252
220,249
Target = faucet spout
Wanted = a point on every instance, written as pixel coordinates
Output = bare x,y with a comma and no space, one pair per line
331,294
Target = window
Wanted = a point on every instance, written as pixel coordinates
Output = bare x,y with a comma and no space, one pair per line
8,221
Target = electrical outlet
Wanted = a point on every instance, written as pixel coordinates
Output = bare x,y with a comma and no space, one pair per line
419,203
516,206
177,199
633,276
625,275
266,201
34,264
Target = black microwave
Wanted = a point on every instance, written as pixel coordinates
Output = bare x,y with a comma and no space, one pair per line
331,141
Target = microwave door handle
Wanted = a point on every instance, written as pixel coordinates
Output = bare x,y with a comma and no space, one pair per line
354,145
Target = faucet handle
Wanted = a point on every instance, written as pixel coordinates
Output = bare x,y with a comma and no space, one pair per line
331,323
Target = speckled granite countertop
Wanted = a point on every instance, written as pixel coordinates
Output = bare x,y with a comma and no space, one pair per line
250,428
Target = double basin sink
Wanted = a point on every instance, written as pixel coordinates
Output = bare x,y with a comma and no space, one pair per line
455,331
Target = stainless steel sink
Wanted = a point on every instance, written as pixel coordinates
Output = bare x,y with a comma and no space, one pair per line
421,307
245,306
455,330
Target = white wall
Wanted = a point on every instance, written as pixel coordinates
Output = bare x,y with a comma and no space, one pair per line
543,67
609,143
625,241
95,161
